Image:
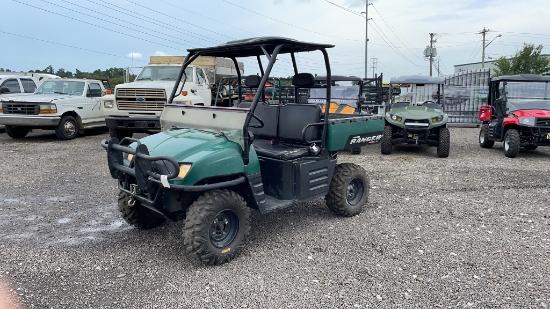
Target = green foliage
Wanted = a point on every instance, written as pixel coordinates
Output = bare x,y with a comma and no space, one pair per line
526,61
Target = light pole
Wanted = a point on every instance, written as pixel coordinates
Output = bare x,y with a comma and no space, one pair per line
485,46
366,37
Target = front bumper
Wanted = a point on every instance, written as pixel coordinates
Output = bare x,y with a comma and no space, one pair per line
149,183
416,134
29,121
134,124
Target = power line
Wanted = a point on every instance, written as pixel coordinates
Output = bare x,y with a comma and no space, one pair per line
345,9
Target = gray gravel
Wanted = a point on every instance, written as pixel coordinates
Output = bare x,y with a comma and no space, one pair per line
471,230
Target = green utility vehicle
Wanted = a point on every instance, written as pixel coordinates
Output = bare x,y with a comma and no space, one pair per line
211,165
415,118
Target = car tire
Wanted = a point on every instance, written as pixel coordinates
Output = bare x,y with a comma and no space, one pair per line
444,145
349,190
138,215
386,143
512,143
16,132
67,128
216,226
484,141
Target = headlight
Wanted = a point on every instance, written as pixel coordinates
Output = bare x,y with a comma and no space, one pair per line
184,169
108,104
437,119
527,121
49,108
396,118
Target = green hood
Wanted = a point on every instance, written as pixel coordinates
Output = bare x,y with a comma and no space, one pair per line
210,154
416,112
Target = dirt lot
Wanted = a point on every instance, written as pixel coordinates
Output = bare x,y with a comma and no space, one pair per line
471,230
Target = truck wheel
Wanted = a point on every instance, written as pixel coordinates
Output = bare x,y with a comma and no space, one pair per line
137,215
385,144
512,143
16,132
67,128
216,226
120,134
348,191
531,147
444,143
484,141
356,150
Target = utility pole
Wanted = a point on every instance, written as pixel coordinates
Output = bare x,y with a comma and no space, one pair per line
431,49
374,63
366,37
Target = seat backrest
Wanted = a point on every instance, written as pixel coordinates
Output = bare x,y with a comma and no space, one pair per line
268,114
302,80
293,118
252,81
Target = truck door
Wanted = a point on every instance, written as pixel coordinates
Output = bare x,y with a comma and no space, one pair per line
94,111
203,88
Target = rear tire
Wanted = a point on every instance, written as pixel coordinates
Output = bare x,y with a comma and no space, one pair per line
386,144
67,128
137,215
444,145
484,141
16,132
512,143
348,191
217,225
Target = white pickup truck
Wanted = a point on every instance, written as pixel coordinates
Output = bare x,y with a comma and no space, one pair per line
21,82
64,105
136,106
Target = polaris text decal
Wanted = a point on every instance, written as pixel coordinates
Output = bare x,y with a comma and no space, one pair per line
365,139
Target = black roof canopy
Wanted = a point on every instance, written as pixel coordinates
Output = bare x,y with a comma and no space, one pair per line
253,47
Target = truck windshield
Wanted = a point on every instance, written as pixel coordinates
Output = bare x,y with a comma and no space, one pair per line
527,95
61,86
163,72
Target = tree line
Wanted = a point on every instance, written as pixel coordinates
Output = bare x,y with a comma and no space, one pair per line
114,75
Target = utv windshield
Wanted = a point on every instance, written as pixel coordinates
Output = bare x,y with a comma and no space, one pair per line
527,95
159,72
61,86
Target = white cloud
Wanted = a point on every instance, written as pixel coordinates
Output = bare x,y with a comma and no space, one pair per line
135,55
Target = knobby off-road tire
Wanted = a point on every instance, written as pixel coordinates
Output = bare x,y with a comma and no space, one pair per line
356,150
137,215
531,147
349,190
444,145
120,134
484,141
67,128
512,143
385,144
216,227
16,132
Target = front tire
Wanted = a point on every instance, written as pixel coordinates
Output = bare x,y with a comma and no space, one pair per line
444,145
16,132
137,215
348,191
484,141
67,128
217,225
386,144
512,143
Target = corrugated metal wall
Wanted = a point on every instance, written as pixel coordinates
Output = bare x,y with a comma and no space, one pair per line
465,92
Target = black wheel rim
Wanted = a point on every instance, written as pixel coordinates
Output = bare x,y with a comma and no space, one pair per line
355,191
224,228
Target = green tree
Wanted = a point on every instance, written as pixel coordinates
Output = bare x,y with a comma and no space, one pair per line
528,60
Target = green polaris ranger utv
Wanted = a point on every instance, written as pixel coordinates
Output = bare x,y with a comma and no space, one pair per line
417,117
210,165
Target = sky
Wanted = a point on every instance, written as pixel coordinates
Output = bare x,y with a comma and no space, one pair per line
99,34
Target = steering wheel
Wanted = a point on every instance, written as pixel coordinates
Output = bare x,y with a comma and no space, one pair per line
261,125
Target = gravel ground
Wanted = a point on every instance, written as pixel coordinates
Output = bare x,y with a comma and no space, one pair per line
471,230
